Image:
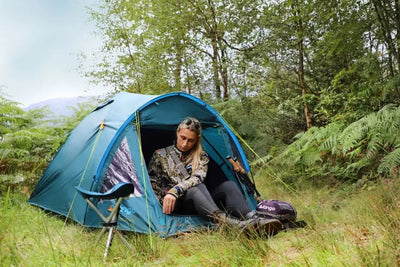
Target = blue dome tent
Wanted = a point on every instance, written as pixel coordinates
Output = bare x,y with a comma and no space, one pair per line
114,144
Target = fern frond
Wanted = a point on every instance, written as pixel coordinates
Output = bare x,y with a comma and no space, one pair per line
311,158
12,153
356,166
355,150
390,161
355,153
330,138
353,134
20,139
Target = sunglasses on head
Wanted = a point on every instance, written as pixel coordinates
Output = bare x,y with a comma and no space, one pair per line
189,121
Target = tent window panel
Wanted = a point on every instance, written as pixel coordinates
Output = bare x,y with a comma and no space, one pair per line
122,169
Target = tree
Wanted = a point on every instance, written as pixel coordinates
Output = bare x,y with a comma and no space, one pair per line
172,45
388,17
137,46
306,44
313,61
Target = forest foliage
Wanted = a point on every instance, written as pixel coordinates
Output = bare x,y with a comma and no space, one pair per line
364,150
311,86
272,68
30,139
310,61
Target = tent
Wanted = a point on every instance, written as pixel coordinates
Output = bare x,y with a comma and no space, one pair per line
114,143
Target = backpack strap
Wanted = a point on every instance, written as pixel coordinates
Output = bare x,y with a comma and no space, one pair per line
179,164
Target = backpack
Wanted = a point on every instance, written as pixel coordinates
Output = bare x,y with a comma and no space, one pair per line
281,210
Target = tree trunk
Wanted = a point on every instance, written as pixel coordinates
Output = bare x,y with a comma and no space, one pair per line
217,83
303,84
188,80
215,56
383,16
178,67
224,75
300,72
223,70
397,24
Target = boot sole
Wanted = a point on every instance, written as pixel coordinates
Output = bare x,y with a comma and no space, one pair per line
271,228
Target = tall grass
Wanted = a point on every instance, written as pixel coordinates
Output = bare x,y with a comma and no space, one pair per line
347,225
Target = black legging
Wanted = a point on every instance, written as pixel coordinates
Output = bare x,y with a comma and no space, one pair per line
225,197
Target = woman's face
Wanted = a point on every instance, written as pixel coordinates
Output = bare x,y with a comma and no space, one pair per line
185,140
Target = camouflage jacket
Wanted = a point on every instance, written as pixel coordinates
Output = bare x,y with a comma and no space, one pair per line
166,178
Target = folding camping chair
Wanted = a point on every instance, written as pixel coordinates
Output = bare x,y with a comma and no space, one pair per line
119,192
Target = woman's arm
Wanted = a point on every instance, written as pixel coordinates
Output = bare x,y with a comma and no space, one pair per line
155,175
195,178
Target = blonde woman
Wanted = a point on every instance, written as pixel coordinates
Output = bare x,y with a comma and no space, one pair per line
177,173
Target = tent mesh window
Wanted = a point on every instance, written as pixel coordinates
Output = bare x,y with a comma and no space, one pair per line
122,169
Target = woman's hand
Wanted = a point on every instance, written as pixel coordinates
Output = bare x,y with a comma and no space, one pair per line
168,203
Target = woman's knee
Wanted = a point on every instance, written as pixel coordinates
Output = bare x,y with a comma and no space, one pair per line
228,186
195,191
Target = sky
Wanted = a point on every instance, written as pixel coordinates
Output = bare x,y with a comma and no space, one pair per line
40,41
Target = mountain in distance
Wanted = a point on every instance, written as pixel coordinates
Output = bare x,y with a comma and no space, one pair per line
63,106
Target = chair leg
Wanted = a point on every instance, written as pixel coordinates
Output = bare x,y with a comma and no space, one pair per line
123,239
110,223
101,234
109,241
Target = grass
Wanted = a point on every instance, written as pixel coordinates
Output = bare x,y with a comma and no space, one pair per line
347,226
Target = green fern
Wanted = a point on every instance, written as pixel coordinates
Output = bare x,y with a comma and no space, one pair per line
331,139
365,147
356,166
28,140
390,163
12,153
352,136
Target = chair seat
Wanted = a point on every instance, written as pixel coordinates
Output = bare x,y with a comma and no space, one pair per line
119,190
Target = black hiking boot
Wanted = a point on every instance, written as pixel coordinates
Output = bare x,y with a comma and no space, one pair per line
265,226
244,225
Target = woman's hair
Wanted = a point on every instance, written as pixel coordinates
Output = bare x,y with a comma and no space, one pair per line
194,125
